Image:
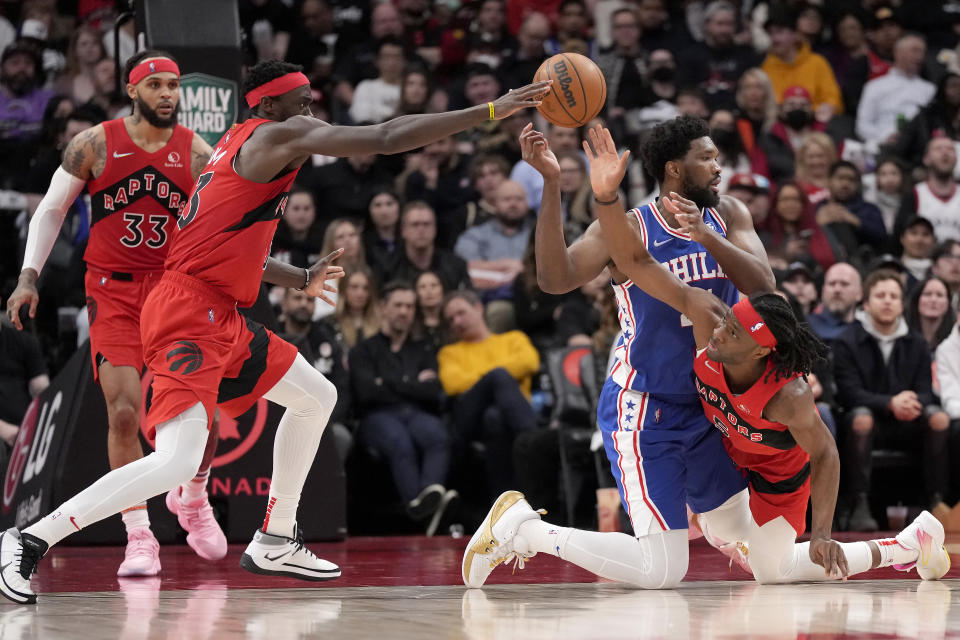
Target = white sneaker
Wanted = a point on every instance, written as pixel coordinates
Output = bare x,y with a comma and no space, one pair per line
925,535
272,555
19,555
492,544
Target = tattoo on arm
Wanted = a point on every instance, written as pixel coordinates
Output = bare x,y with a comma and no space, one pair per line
84,147
198,160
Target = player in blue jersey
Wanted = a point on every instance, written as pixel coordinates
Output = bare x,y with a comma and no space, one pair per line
663,451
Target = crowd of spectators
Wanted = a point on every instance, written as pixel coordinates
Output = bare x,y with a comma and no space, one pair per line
837,124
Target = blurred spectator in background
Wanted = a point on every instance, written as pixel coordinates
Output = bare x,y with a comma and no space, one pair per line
357,314
918,241
489,376
884,382
937,198
941,117
882,34
416,92
377,99
790,62
794,230
848,56
796,120
381,233
487,173
344,187
886,188
657,31
419,253
359,61
314,42
105,96
298,240
398,398
800,283
575,192
946,266
573,23
840,296
733,158
428,320
623,66
757,114
267,25
929,311
519,68
536,312
441,179
753,191
83,54
715,65
853,222
23,376
889,101
344,233
815,156
22,103
560,140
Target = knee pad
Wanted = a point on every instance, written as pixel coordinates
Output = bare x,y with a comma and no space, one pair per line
180,444
668,555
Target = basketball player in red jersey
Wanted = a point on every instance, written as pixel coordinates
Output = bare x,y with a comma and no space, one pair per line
204,354
750,366
139,171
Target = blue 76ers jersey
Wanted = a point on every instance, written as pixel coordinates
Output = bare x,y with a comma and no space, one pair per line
656,349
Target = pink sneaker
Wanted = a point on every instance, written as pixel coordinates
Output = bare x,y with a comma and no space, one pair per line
142,557
203,533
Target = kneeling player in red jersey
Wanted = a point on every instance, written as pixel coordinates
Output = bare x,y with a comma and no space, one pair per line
750,366
204,354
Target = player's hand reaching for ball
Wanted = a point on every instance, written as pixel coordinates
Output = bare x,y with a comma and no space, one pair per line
829,554
522,98
607,168
24,294
320,273
536,151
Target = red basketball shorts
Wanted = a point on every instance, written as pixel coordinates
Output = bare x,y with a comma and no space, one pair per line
200,349
114,302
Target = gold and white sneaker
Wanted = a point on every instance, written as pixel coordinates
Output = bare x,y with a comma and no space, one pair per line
492,544
925,535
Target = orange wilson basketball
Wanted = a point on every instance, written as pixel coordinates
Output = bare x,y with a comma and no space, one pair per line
578,91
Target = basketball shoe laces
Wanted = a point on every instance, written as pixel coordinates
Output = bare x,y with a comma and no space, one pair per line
29,559
142,544
200,516
520,560
300,545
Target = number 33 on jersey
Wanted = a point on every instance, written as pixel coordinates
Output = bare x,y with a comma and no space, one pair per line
136,200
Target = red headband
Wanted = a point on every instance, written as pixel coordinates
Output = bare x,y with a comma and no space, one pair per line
150,67
754,324
276,87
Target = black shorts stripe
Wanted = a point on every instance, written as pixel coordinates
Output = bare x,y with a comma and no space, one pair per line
761,485
253,367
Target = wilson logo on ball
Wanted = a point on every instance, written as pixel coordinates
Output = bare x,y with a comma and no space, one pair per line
187,355
564,80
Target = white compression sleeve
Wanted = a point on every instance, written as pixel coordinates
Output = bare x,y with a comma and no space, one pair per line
48,218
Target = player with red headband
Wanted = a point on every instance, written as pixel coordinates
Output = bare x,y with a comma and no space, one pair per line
750,370
139,171
203,354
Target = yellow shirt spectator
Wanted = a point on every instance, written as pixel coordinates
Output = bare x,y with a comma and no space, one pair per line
462,364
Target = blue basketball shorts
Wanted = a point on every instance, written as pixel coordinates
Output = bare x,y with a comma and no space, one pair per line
664,456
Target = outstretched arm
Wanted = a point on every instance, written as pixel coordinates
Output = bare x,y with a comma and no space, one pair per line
560,269
794,406
312,281
627,247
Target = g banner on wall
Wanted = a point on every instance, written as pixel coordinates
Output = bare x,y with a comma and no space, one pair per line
208,105
61,449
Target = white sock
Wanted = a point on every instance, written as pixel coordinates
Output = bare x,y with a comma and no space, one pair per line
657,561
196,488
180,443
892,552
135,517
309,399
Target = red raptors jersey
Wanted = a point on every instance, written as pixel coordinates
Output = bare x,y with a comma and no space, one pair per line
136,200
224,236
754,443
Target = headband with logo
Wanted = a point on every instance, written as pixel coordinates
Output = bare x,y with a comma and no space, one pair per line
150,67
276,87
754,324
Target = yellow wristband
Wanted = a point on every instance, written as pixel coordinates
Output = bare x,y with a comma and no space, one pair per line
490,104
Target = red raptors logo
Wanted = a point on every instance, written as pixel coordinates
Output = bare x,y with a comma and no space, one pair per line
237,436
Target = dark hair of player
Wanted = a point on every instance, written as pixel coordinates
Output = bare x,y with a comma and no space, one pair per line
137,58
798,349
670,141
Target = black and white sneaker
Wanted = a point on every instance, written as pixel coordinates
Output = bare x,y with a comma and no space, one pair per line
19,555
445,510
426,502
272,555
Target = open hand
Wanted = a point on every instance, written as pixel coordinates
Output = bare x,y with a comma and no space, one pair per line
322,271
829,554
522,98
536,152
607,168
688,216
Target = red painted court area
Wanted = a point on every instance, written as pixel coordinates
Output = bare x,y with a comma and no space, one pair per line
366,562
